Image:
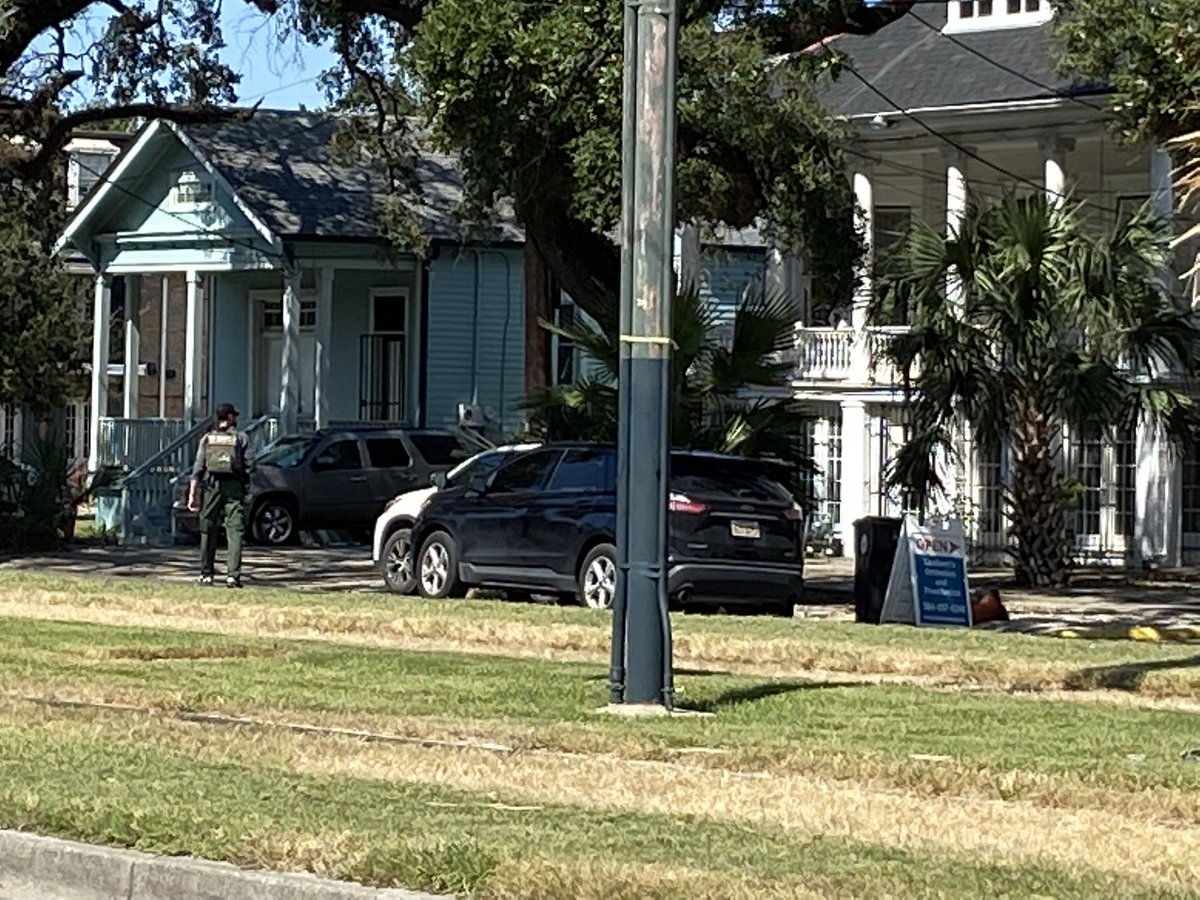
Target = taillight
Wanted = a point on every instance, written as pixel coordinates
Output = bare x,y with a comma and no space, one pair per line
795,513
680,503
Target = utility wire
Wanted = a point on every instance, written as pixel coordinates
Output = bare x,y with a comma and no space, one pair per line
1057,92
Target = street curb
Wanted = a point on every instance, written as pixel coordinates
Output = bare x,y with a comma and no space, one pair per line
132,875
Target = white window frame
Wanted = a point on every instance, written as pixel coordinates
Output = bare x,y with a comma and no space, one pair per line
11,427
1000,17
84,145
198,176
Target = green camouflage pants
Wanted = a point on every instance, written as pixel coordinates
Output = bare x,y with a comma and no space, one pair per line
224,501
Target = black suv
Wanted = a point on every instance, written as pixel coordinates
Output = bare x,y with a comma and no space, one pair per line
545,523
343,478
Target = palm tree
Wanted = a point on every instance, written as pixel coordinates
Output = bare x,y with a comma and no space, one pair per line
1026,326
728,397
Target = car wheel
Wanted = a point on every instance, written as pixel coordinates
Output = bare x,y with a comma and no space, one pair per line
437,568
598,577
396,564
274,522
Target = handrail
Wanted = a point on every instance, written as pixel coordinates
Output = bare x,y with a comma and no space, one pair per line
201,426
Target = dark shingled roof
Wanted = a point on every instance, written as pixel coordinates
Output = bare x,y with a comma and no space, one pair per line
917,67
281,165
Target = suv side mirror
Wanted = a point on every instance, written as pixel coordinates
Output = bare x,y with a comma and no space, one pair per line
437,480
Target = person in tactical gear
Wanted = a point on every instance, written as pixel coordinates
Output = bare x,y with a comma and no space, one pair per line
222,472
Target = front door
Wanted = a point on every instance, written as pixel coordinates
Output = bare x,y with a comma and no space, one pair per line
270,356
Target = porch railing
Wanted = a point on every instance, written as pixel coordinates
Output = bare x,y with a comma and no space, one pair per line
824,354
129,443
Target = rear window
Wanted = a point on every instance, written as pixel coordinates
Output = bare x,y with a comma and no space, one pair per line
699,477
388,453
440,449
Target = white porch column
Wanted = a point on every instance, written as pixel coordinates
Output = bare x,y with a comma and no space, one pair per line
864,224
289,381
855,474
1056,149
133,345
101,321
956,191
687,263
324,335
192,347
1159,495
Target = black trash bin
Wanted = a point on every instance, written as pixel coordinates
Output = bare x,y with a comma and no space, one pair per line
875,540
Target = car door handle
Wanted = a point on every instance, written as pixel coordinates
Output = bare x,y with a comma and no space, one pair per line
357,479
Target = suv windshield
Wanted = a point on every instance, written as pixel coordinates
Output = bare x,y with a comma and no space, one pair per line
699,477
286,453
480,467
440,449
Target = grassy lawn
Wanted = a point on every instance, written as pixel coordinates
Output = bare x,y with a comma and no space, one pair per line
755,645
797,784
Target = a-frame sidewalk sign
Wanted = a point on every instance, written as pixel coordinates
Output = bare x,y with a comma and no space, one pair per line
928,584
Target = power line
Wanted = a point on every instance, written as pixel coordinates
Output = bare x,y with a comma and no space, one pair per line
1058,92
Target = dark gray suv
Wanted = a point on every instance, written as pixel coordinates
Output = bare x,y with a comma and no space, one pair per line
343,478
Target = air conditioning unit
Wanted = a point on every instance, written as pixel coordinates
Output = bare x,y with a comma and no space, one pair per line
471,415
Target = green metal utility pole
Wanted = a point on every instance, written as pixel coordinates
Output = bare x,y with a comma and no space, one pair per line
641,653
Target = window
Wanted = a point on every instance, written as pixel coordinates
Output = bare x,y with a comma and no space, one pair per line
1191,488
699,476
526,473
10,432
1125,484
833,471
272,314
439,449
340,456
388,453
391,313
480,467
76,429
586,470
991,489
192,189
1088,455
564,356
979,14
86,168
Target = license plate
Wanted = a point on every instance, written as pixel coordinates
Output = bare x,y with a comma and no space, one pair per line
745,530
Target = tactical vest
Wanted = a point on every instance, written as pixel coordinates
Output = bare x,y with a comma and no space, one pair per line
221,453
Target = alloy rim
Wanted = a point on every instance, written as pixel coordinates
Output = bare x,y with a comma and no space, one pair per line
399,565
600,583
435,569
276,524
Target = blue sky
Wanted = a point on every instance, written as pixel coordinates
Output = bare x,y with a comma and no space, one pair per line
282,75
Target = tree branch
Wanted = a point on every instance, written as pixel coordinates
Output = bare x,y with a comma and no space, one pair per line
799,31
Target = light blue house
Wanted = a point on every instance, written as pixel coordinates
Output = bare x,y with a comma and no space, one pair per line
248,262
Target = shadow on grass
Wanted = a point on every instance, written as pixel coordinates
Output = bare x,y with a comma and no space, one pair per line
1123,677
756,692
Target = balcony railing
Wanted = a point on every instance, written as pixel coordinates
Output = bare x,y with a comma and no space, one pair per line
824,354
847,356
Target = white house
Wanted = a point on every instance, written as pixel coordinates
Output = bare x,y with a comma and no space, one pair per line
958,101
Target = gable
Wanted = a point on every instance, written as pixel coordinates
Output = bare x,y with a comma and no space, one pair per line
160,190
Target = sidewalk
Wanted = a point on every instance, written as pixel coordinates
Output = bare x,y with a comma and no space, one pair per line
1095,597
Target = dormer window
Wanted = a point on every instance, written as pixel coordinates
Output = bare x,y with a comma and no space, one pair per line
84,170
192,189
977,15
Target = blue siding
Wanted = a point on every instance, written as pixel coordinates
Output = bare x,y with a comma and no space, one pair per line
476,340
726,272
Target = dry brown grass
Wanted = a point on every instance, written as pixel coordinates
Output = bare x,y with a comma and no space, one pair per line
384,628
1131,844
921,777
